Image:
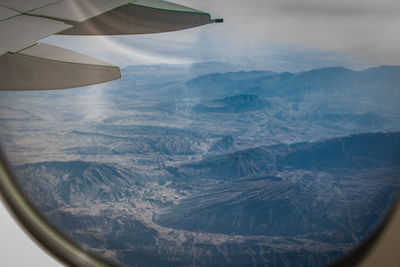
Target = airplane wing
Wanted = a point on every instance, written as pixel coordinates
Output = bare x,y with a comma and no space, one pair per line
28,65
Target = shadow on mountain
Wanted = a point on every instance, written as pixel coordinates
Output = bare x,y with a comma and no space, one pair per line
236,104
334,186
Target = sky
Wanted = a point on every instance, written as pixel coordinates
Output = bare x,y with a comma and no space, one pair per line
278,35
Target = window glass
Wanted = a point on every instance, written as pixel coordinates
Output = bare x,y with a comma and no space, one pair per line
270,139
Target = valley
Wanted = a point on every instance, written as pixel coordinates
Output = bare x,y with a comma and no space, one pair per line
202,168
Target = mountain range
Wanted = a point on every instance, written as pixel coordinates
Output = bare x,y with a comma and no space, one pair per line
210,165
332,192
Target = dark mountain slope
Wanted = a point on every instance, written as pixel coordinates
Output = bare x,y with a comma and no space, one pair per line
236,104
74,182
338,187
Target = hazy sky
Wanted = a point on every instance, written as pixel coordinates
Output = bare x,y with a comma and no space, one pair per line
268,34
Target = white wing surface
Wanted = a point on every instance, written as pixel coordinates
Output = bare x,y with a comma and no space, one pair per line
27,65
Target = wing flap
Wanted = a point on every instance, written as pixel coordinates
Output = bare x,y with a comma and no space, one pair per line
77,10
141,17
26,5
6,13
22,31
46,67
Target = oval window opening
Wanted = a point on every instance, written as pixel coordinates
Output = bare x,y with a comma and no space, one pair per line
271,139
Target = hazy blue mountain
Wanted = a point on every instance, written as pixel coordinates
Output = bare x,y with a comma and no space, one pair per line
163,78
237,103
167,70
374,82
224,84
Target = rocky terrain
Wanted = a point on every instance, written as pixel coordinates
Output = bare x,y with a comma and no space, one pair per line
210,166
306,202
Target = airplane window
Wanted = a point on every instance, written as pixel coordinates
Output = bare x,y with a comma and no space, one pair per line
271,139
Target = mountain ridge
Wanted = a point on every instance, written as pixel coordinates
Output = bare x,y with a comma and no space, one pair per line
258,194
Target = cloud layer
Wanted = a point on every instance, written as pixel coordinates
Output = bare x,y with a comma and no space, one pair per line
366,29
276,34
